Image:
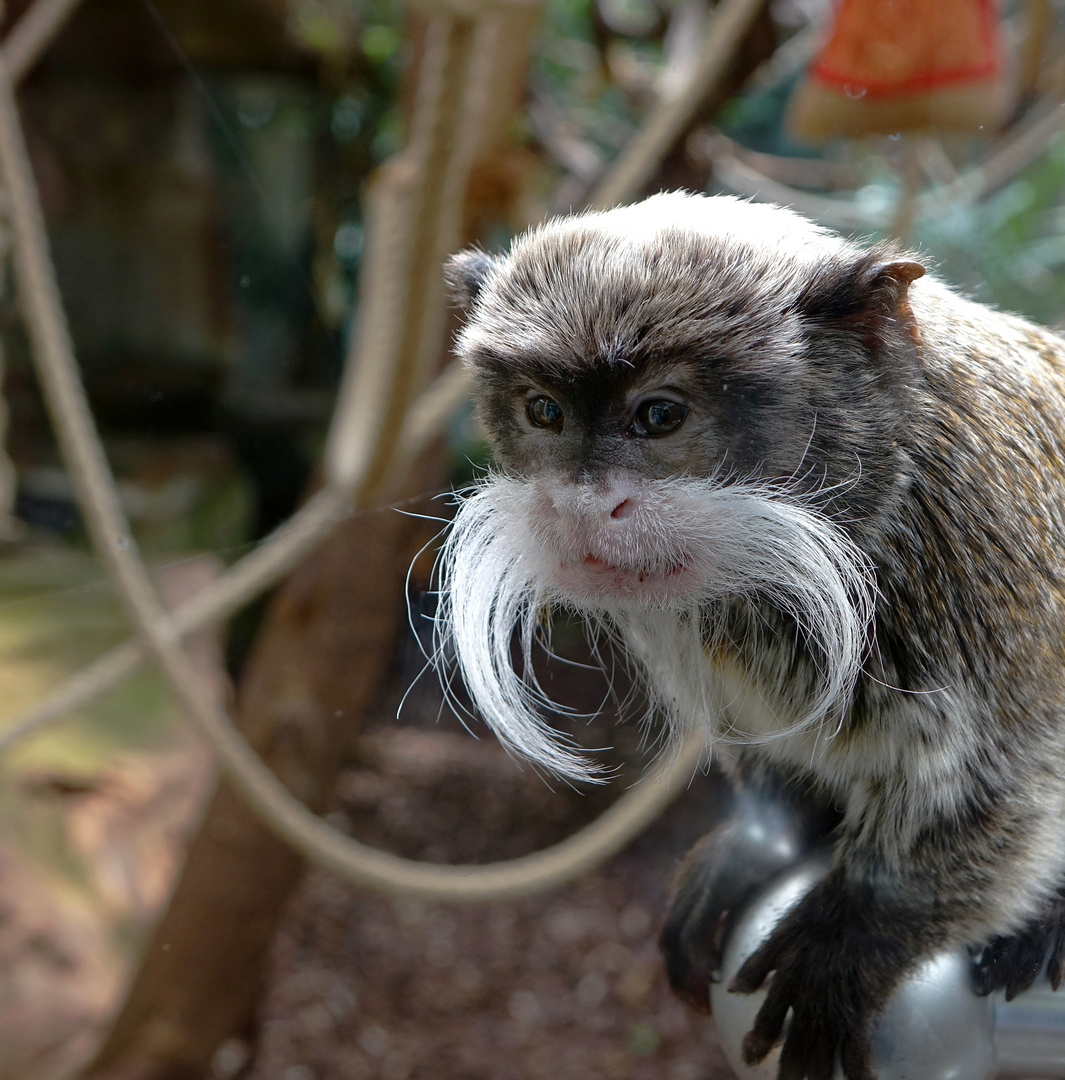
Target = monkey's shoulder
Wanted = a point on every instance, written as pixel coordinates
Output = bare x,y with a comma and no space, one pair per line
982,353
987,437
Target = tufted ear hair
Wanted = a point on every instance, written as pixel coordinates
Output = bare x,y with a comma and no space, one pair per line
867,295
465,273
876,284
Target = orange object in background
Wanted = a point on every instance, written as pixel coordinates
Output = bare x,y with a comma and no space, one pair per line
904,65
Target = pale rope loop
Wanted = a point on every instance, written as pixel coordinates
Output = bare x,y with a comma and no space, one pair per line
111,534
23,45
9,524
279,553
33,33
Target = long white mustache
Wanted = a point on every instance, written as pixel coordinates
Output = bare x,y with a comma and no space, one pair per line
745,542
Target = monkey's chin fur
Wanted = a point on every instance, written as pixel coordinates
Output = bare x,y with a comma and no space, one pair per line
665,587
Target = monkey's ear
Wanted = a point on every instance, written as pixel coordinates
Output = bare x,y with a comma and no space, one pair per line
874,285
867,296
903,270
465,273
890,280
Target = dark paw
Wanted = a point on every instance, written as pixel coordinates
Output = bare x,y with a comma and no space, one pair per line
834,961
717,877
706,894
1013,963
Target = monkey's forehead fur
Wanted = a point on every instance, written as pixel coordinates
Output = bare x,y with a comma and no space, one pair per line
595,285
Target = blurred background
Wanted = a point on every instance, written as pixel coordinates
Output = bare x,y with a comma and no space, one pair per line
208,171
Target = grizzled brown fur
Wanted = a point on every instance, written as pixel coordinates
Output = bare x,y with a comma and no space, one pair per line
931,430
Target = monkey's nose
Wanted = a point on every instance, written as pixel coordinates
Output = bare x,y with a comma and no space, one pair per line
622,510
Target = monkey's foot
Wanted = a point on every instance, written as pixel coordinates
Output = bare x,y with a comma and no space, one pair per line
835,958
721,873
711,884
1013,963
717,877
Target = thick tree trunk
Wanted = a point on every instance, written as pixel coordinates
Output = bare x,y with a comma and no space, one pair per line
313,671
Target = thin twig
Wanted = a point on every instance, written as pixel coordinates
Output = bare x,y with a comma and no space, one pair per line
707,143
726,28
739,177
1004,165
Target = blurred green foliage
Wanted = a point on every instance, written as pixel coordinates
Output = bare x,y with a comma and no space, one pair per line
1009,250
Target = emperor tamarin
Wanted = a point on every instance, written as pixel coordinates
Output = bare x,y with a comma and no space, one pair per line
820,499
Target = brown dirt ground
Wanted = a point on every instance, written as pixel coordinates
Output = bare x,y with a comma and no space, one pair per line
563,986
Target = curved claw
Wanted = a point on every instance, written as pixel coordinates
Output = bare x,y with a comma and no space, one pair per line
1013,963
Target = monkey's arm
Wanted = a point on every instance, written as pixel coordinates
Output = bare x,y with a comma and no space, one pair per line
772,824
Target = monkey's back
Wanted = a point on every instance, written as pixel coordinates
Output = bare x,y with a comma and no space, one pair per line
972,567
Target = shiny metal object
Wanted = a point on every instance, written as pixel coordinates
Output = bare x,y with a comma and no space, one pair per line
934,1028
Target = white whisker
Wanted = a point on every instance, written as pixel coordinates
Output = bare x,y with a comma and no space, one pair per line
737,546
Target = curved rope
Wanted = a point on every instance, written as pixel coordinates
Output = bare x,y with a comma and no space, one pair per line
280,552
83,451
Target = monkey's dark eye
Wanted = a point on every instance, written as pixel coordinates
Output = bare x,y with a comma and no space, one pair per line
658,417
544,412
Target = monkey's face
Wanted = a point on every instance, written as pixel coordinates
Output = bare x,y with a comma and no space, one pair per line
604,387
676,427
597,457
